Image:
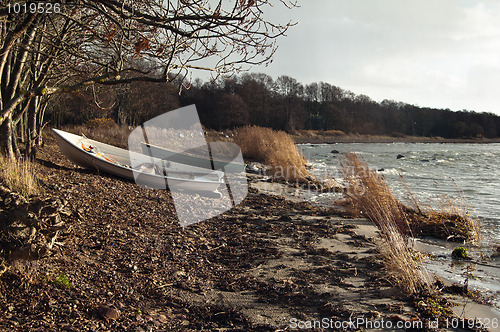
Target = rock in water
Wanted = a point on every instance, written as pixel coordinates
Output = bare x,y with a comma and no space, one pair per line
254,169
460,252
335,151
400,156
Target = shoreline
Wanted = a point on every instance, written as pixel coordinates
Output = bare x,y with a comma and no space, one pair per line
129,266
431,248
318,138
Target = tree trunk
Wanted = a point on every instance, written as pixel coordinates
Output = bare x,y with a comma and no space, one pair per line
15,142
41,114
21,126
6,138
32,129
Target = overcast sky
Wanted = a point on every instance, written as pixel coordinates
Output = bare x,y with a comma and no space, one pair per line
439,53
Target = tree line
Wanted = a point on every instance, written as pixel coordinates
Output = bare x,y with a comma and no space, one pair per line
282,103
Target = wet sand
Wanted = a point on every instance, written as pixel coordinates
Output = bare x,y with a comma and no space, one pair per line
464,307
269,264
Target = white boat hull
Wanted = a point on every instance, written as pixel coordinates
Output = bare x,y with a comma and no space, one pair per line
119,163
193,160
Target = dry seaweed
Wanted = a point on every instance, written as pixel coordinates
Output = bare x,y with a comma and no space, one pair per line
126,265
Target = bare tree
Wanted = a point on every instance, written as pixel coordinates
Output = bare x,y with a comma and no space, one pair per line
232,111
291,90
61,46
256,92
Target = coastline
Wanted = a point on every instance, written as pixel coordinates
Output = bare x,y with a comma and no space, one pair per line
465,306
322,137
267,264
317,137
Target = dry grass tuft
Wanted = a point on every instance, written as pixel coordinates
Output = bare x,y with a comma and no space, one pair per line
370,194
18,176
449,223
316,133
275,149
333,133
371,197
101,123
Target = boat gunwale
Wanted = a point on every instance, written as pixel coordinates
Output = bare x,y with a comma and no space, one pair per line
74,146
189,155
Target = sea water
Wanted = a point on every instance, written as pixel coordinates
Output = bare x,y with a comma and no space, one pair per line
437,175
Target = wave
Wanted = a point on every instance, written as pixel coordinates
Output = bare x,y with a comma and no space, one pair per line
391,171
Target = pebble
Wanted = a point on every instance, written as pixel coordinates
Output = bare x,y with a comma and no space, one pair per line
107,312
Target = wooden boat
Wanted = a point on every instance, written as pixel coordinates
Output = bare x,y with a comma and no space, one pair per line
145,170
192,159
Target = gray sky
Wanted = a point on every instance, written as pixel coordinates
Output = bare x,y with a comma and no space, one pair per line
439,53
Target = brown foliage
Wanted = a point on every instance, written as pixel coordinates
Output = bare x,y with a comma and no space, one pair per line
275,149
371,196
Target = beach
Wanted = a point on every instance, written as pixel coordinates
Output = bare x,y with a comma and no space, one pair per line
122,262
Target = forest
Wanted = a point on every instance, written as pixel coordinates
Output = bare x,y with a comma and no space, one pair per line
282,104
93,48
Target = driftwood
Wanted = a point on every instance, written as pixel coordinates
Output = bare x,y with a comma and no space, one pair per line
442,225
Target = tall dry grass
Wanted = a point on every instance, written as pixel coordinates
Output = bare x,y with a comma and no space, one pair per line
18,176
104,130
275,149
450,220
371,195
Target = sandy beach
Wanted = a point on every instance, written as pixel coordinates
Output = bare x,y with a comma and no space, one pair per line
462,306
271,263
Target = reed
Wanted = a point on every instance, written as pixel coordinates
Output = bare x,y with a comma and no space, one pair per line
451,222
371,196
370,193
18,176
103,130
275,149
334,133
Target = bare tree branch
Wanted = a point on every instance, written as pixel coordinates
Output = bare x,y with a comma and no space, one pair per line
109,42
